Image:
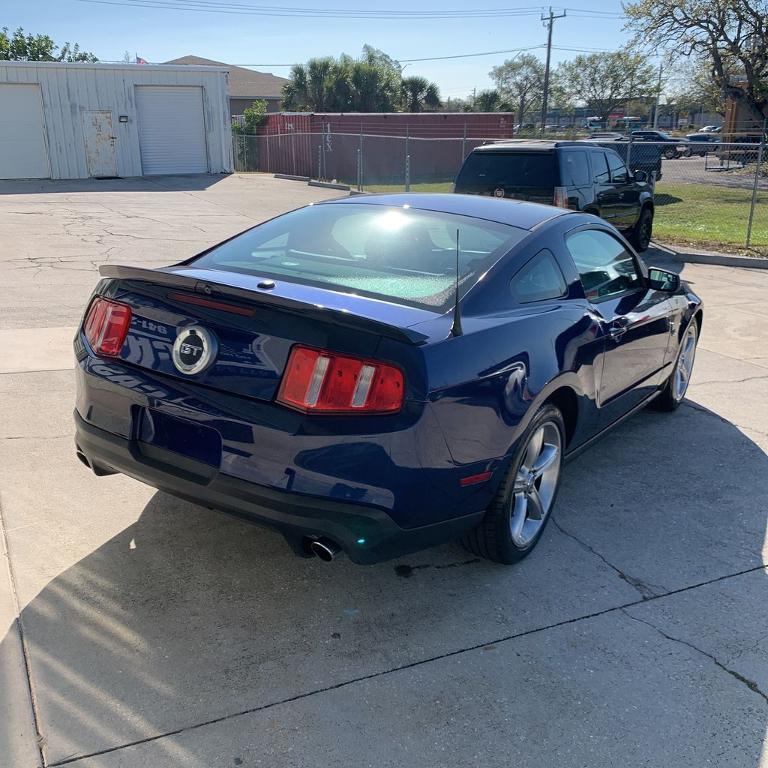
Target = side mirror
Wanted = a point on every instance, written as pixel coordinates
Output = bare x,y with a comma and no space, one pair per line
661,280
641,176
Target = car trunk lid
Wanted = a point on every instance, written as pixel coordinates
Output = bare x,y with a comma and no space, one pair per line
253,327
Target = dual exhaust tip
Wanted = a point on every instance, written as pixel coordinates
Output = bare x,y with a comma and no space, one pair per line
324,548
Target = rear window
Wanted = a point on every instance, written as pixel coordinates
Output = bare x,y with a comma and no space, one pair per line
394,253
490,170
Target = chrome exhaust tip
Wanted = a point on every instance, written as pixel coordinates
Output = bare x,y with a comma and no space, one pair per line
325,549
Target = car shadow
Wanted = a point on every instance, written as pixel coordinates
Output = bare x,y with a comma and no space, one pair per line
189,615
181,183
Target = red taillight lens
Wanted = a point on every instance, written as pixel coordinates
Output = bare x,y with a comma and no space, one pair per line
316,381
106,326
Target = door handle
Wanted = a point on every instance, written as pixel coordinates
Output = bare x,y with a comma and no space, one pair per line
618,327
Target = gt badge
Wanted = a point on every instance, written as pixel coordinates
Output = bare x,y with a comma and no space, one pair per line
194,349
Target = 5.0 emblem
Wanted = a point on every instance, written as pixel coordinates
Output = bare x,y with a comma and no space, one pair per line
194,349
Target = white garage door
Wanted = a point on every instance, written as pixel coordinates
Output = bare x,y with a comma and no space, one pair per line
22,146
171,129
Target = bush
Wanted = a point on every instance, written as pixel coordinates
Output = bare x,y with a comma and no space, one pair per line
255,115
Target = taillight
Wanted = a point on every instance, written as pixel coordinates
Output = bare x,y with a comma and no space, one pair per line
561,197
316,381
106,326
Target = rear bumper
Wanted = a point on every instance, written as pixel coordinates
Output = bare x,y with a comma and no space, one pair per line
367,534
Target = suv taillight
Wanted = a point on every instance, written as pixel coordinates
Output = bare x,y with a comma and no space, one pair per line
106,326
317,381
561,197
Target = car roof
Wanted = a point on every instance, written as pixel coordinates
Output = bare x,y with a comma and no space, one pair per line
532,145
515,213
524,145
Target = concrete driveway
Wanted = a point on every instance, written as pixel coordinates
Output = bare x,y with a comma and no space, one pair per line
139,630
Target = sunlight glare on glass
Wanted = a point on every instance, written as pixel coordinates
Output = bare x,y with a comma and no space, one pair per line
392,221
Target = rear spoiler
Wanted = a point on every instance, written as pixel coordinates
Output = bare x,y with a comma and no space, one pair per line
218,290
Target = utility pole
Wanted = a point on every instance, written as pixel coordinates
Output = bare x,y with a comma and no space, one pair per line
549,21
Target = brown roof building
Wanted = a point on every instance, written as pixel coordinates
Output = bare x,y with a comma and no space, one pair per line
245,85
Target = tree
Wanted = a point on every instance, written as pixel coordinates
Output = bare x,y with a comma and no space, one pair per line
693,90
490,101
605,81
372,83
418,94
27,47
520,81
729,36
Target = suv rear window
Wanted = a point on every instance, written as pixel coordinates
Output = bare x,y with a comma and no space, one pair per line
394,253
485,171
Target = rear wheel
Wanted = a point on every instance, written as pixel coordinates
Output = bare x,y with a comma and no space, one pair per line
677,384
670,153
518,514
640,235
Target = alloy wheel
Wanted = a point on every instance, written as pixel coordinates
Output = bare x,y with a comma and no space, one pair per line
535,484
684,366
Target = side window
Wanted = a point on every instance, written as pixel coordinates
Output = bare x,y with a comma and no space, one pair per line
575,169
539,279
606,268
619,171
600,168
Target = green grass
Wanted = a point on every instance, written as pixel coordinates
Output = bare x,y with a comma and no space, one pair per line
709,215
438,186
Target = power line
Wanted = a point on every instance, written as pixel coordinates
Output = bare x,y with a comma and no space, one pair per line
470,55
207,6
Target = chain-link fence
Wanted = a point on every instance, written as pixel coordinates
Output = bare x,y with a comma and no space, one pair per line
709,194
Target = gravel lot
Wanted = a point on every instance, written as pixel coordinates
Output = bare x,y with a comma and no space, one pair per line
139,630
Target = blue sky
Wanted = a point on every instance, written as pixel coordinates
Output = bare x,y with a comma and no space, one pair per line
159,34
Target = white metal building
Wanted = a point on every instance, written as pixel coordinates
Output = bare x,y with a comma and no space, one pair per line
74,121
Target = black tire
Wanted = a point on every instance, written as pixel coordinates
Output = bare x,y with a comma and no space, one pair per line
640,235
670,153
669,400
492,538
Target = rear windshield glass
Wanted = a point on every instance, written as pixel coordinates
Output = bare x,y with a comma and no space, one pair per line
489,170
397,254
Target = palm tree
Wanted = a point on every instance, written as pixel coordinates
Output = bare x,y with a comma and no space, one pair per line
418,93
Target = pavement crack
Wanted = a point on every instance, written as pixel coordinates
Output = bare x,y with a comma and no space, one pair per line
645,591
751,684
406,571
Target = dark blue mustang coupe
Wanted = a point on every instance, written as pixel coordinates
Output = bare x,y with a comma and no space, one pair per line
380,374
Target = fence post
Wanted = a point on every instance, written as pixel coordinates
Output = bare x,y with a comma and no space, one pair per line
359,171
407,159
629,153
319,160
755,184
464,143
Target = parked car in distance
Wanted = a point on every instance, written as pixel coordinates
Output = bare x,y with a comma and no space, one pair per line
709,128
700,143
380,374
671,151
637,155
579,175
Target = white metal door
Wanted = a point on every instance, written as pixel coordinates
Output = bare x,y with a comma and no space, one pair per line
23,153
99,143
171,129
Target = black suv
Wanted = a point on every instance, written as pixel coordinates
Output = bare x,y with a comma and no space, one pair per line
570,174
